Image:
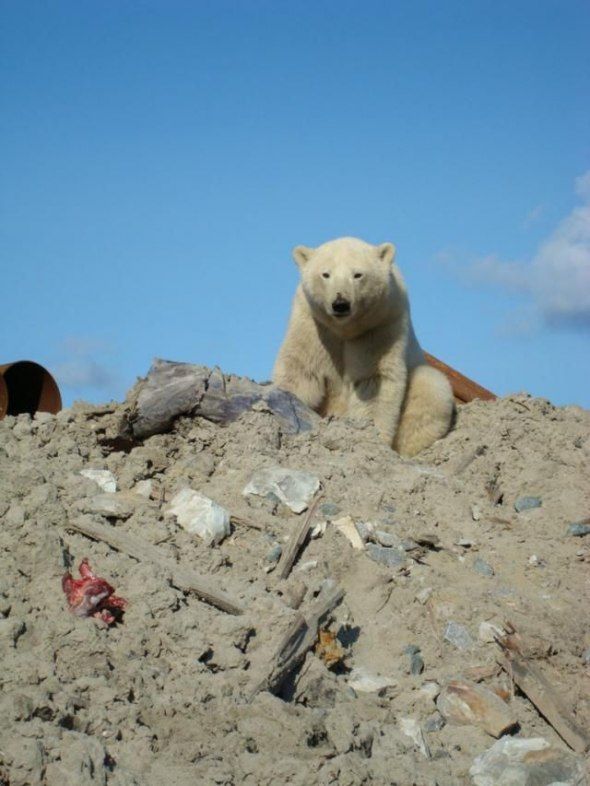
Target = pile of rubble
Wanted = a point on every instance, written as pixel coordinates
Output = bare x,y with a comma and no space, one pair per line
294,602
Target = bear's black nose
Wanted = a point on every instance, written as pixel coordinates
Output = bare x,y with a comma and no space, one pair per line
341,306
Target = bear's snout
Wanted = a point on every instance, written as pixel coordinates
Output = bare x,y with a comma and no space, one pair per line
341,306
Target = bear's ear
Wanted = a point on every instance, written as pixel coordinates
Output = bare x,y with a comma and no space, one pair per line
386,252
301,255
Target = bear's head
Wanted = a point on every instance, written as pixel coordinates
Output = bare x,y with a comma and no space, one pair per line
350,285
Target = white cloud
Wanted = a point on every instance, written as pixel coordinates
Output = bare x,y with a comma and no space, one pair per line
557,278
82,366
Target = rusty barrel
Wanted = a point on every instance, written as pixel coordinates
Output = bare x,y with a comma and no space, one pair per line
27,387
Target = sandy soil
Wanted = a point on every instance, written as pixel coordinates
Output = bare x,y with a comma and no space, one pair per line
165,696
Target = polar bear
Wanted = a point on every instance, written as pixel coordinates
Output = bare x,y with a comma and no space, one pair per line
350,348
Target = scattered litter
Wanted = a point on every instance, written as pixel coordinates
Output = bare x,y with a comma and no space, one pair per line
458,635
91,596
102,477
293,487
199,515
527,503
329,649
364,681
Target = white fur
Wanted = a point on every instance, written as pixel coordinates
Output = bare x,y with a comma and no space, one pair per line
368,363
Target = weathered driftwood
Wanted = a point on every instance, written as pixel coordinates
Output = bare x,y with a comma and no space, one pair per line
183,578
300,638
297,541
174,389
464,389
540,693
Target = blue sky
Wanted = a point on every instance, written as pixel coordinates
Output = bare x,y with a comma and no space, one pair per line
161,159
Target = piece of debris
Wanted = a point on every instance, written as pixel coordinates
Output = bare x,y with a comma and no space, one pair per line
293,487
527,503
411,728
183,578
200,516
102,477
329,649
91,596
111,505
347,527
527,762
538,690
298,540
434,722
272,556
467,703
475,512
430,690
329,509
318,530
364,681
458,635
144,488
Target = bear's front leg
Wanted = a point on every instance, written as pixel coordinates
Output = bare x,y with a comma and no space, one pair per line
306,386
380,399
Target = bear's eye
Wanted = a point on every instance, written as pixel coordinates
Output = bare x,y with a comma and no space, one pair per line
358,275
325,275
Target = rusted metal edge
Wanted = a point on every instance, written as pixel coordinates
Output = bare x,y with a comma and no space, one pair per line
464,389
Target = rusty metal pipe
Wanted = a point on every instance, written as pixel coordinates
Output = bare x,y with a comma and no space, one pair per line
27,387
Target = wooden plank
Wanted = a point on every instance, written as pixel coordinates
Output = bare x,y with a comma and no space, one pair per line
534,685
183,578
299,639
464,389
297,541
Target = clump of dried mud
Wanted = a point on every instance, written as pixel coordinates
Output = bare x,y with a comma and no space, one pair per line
165,696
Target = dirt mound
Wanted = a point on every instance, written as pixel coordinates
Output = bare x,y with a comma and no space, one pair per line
474,531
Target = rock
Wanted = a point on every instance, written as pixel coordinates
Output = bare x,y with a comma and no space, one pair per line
411,649
348,528
514,761
482,567
434,722
274,554
527,503
475,512
579,530
411,728
466,703
144,488
174,389
364,681
318,530
488,633
329,509
294,488
392,558
199,515
430,690
416,664
586,657
424,595
102,477
366,530
111,505
387,539
458,635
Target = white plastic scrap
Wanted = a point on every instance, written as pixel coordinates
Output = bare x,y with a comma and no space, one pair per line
102,477
293,487
199,515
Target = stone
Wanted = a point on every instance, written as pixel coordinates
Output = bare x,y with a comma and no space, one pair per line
347,527
144,488
488,633
391,558
364,681
200,515
434,722
429,690
294,488
586,657
466,703
274,554
102,477
111,505
527,503
515,761
579,530
482,567
458,635
424,595
411,728
475,512
416,664
329,509
366,530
